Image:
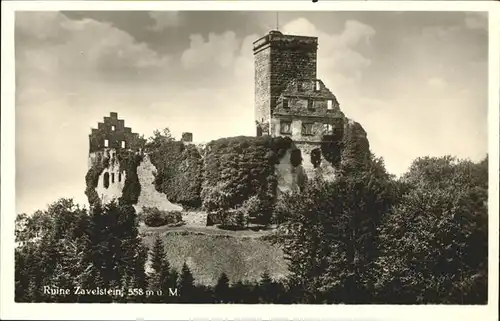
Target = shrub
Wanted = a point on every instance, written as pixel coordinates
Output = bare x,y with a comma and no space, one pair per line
154,217
241,167
234,220
258,208
178,172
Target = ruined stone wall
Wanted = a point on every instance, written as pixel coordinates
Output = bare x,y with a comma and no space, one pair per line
112,133
112,180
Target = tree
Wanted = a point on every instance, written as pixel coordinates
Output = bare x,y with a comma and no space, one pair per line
267,288
221,291
158,138
185,284
330,237
160,277
49,247
434,245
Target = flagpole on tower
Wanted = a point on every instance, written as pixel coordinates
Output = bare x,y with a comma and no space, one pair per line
277,21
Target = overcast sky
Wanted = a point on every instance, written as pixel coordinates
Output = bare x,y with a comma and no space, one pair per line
416,81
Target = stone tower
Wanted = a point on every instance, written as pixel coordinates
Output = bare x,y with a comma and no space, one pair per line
279,59
291,101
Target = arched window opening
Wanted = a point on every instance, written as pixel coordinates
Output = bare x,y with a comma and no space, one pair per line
316,157
119,177
112,178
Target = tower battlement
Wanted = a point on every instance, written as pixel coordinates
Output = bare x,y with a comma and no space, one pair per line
280,40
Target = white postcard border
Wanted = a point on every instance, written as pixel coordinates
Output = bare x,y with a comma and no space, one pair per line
59,311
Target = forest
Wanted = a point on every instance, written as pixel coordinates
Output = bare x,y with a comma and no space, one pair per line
368,237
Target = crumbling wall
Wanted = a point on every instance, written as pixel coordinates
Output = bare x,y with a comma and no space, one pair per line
112,180
149,196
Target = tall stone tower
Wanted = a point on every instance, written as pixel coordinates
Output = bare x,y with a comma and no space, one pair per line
279,59
290,101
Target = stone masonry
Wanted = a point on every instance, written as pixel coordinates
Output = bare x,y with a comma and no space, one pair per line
279,59
290,100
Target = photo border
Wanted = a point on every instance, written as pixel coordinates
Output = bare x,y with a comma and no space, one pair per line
132,311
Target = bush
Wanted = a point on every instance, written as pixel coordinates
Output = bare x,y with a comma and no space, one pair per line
234,220
154,217
258,209
178,172
240,167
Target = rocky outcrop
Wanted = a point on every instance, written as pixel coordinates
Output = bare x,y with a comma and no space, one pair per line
149,196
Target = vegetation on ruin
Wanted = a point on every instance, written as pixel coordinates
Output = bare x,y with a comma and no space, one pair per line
238,168
178,169
92,177
129,161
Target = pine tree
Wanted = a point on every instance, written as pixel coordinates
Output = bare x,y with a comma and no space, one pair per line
185,284
157,255
222,292
266,288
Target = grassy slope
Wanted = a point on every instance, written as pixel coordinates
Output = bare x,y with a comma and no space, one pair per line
210,251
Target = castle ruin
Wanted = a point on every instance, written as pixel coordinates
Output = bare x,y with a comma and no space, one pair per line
290,101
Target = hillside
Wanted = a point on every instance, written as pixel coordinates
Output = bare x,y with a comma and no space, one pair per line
210,251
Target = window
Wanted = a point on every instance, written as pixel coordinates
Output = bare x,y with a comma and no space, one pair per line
113,128
106,143
318,85
316,157
123,144
286,127
307,128
119,177
300,86
310,104
112,178
328,127
285,103
106,180
329,104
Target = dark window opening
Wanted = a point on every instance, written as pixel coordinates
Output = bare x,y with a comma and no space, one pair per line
296,157
286,127
112,178
106,180
300,86
285,103
310,104
316,157
307,128
119,177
